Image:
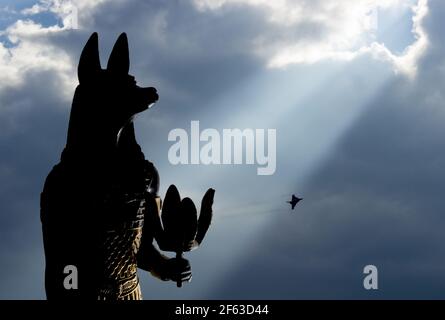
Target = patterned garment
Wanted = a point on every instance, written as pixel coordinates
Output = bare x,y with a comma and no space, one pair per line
121,246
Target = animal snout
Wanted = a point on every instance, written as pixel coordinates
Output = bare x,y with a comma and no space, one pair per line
151,94
145,97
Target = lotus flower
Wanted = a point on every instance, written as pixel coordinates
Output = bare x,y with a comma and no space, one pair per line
181,230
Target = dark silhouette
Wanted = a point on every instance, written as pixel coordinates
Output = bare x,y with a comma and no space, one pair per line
294,201
99,205
180,230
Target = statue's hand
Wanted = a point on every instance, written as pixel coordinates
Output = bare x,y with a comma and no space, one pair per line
180,230
175,269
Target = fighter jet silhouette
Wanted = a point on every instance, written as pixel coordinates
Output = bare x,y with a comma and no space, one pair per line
294,201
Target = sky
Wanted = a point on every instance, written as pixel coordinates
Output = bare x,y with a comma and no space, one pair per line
352,88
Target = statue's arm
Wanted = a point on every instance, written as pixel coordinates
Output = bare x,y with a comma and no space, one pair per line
151,260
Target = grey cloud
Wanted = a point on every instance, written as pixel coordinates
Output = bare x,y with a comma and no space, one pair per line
375,199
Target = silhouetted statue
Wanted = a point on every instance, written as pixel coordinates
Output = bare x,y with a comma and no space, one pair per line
294,201
96,199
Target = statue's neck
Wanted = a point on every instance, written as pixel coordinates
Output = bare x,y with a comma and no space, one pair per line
89,138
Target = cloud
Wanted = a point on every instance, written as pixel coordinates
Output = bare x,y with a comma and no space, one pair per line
311,31
32,52
209,61
287,33
61,7
31,47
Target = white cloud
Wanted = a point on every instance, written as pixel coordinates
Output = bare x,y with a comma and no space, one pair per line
35,9
61,7
31,52
407,62
293,32
67,10
333,30
32,49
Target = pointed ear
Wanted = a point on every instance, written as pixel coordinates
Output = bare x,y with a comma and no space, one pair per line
119,61
89,62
